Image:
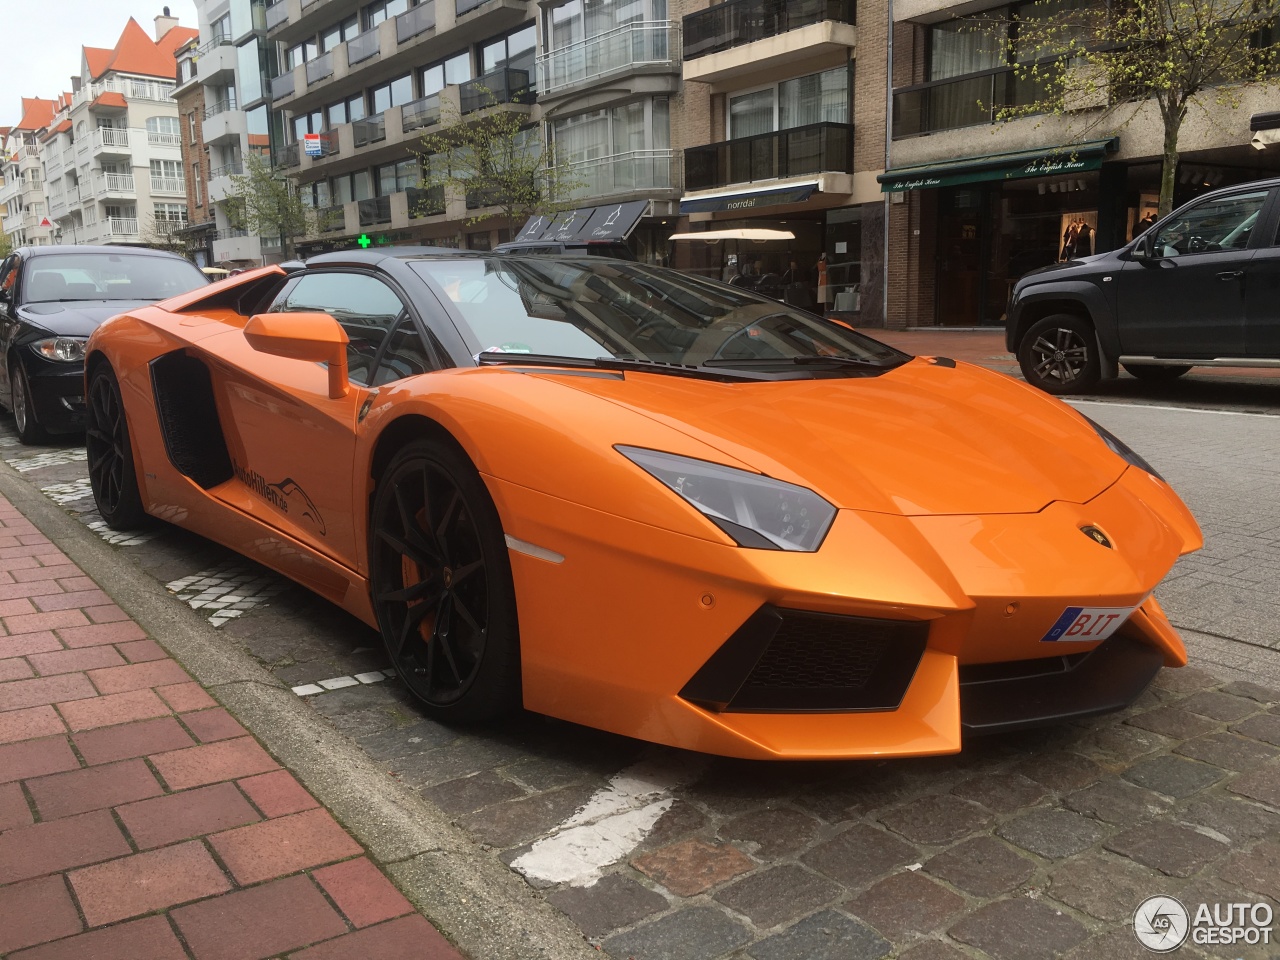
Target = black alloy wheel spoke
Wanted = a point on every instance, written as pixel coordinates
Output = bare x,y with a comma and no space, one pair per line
465,571
462,610
414,615
443,638
413,593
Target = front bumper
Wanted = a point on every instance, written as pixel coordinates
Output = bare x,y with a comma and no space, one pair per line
57,395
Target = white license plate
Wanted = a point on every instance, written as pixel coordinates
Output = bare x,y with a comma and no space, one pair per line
1087,623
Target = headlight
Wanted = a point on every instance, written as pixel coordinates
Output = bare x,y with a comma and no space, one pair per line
755,510
64,349
1121,449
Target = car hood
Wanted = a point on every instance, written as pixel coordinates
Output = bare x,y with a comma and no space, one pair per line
923,439
1081,265
77,318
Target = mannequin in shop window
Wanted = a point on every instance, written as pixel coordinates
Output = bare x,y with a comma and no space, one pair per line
1077,239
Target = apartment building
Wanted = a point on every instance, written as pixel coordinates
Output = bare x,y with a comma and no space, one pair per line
198,233
22,196
112,154
224,105
977,203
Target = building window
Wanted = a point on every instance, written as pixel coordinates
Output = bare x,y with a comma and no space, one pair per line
642,125
166,168
816,98
455,69
339,33
515,51
196,188
351,186
375,13
575,21
390,94
307,123
297,55
345,111
165,127
397,177
222,27
171,213
191,124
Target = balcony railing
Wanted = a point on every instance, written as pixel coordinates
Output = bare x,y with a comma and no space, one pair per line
416,20
625,48
282,86
277,14
966,101
286,156
122,226
231,233
157,139
501,86
219,106
132,90
110,137
738,22
332,219
172,185
319,68
369,130
114,183
425,203
466,6
219,40
362,47
420,113
798,152
374,211
233,169
636,170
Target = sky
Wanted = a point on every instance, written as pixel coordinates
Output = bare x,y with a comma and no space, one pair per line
41,40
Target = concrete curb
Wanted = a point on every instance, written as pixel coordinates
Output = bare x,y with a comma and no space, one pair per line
472,898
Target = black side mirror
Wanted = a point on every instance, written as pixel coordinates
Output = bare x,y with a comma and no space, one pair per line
1145,250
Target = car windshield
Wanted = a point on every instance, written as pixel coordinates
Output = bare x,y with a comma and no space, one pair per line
601,308
108,276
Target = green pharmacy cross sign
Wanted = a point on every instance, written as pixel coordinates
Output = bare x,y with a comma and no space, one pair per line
364,241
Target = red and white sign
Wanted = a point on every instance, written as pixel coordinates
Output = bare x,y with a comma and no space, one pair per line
311,144
46,222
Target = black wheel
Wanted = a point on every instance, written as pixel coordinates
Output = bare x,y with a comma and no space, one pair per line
442,587
1157,372
24,415
110,455
1059,354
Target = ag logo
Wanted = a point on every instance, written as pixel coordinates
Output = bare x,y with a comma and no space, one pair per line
1096,535
1161,924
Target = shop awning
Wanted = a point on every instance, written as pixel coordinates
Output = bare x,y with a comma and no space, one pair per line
1043,162
749,199
614,221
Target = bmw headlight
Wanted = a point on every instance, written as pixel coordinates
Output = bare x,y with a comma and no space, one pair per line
63,349
756,511
1121,449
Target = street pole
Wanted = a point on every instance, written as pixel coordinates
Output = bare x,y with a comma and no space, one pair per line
888,145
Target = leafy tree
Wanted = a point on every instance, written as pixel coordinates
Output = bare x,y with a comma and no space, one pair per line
493,157
269,205
6,245
1104,61
163,235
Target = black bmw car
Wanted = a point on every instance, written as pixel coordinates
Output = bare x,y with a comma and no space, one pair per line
51,299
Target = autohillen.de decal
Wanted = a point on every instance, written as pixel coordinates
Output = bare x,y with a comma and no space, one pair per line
286,496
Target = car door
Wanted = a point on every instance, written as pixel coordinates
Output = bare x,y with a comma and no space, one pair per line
9,271
1262,295
1187,300
292,446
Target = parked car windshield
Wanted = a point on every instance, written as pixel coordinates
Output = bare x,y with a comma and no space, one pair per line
592,308
107,276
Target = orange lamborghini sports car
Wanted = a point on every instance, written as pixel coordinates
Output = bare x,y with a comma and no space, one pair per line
646,502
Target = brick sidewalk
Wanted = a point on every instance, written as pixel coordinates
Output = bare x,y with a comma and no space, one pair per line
139,820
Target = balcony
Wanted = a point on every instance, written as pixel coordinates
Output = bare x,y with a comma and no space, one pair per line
375,211
320,68
425,203
168,186
369,130
114,184
110,140
654,45
277,14
282,86
122,228
362,47
416,20
635,172
501,86
331,219
164,139
968,101
226,124
735,40
217,61
798,152
233,169
286,156
466,6
235,245
420,113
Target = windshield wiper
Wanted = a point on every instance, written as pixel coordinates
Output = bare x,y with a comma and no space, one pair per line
496,358
806,361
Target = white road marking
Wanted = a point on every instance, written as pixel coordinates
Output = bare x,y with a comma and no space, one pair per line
337,683
1160,406
53,459
68,492
227,591
610,825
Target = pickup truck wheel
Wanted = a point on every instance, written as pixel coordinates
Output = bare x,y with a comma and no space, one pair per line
1156,372
1059,354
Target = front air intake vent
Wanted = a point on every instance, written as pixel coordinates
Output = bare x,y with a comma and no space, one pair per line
796,661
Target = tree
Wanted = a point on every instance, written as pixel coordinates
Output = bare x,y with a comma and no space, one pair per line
491,156
268,205
163,235
1105,60
6,245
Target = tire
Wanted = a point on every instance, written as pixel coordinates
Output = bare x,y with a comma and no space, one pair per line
24,415
1059,354
1157,372
442,587
110,454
